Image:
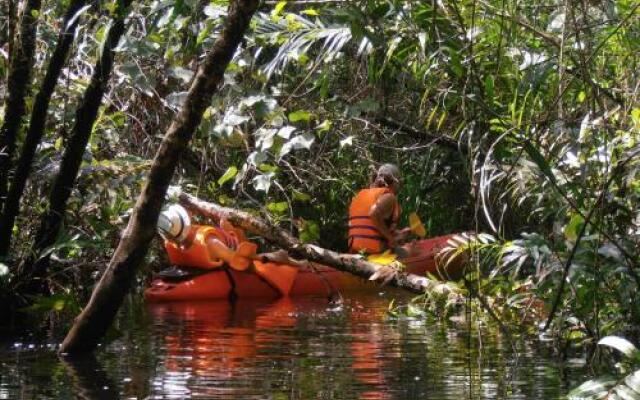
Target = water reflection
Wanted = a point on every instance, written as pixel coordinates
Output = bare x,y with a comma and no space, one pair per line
303,348
89,379
219,348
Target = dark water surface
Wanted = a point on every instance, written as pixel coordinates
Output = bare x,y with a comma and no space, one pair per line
287,349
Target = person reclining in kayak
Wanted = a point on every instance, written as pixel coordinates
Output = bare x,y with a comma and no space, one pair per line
374,214
209,246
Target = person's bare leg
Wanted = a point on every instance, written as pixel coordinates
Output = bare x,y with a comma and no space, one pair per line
282,257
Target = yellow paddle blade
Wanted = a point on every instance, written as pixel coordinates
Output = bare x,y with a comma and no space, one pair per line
385,258
416,226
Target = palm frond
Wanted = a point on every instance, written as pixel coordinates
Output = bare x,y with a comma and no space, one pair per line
296,35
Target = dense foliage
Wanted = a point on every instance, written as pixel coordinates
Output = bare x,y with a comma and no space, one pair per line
516,120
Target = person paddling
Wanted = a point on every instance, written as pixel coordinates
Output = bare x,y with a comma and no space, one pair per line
374,214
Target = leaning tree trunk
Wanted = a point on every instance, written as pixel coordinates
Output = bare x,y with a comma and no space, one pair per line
37,123
35,265
18,85
92,323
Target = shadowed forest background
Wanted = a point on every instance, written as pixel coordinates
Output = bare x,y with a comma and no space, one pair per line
518,121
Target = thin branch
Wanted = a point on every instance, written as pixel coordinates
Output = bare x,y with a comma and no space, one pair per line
442,140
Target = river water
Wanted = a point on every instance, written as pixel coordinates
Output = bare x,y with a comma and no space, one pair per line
305,348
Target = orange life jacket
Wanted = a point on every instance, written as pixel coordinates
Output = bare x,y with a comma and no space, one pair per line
363,233
196,255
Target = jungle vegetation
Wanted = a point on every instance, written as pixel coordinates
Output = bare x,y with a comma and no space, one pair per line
516,121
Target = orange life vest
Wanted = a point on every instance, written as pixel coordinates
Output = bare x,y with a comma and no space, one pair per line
196,255
363,233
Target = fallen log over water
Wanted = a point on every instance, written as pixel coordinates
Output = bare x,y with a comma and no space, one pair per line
353,264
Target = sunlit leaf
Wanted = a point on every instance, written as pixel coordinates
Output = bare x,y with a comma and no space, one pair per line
262,182
175,100
303,141
626,393
300,115
385,258
348,141
324,127
285,131
214,11
279,7
635,117
573,227
633,381
592,389
183,74
278,208
233,119
229,174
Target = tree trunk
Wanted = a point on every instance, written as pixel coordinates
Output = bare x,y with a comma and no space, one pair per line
37,124
34,266
350,263
18,86
108,295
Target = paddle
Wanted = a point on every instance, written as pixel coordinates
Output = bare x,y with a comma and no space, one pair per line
416,225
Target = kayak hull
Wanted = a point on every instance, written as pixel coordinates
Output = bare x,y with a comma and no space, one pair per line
228,283
427,257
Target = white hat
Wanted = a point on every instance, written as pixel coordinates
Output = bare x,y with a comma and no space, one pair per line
174,223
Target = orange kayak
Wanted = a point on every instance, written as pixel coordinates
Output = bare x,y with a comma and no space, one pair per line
424,258
269,280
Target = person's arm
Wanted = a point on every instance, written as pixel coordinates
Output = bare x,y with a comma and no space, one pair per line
381,212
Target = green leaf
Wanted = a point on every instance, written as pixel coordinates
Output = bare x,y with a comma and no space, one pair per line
300,115
279,7
311,12
572,228
204,34
299,196
635,117
278,208
267,168
489,86
540,161
581,96
229,174
325,126
309,231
